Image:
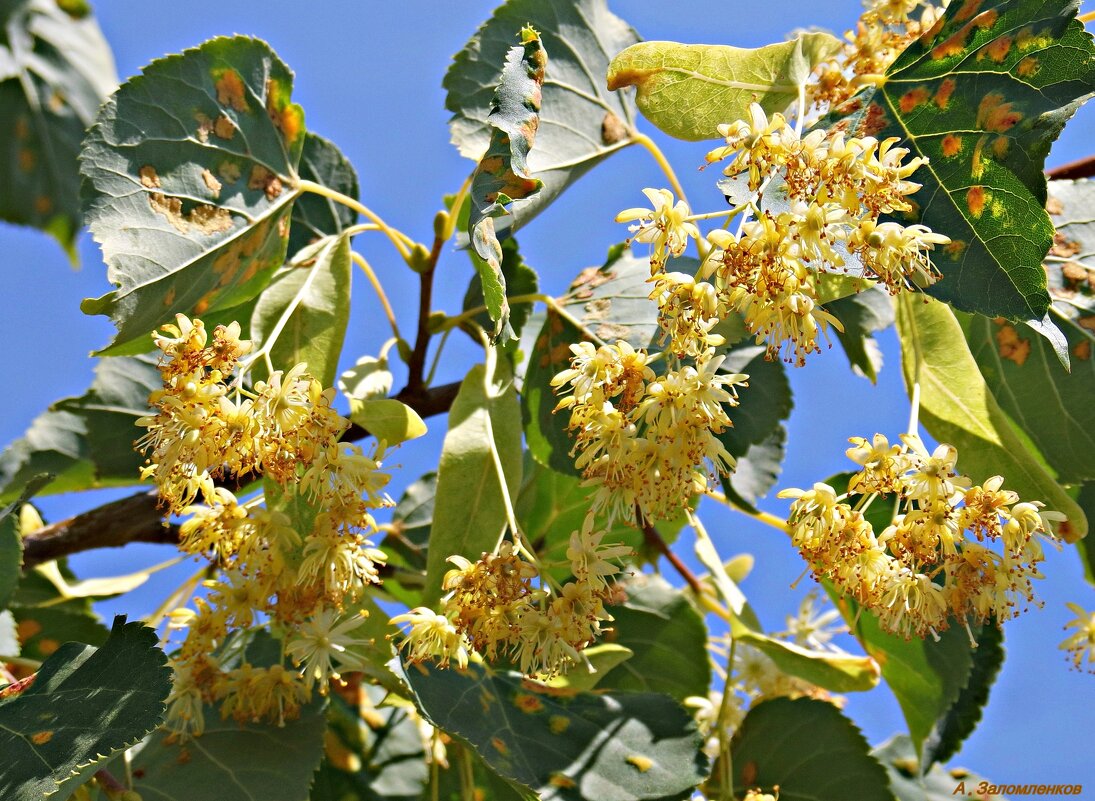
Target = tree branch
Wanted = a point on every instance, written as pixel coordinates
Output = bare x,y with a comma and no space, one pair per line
139,517
416,365
654,540
1083,168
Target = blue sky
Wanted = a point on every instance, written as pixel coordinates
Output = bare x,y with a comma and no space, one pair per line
369,78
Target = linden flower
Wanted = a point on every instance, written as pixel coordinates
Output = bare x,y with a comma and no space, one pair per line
896,254
432,636
666,226
320,647
590,558
1082,643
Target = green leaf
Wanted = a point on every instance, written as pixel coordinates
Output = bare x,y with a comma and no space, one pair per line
485,783
965,713
983,96
862,314
956,407
190,174
612,302
668,639
11,543
597,665
387,419
84,705
503,174
233,761
315,216
898,757
308,305
9,637
373,757
565,745
688,90
55,71
368,379
1086,547
87,441
470,508
757,437
581,122
807,748
518,278
1051,406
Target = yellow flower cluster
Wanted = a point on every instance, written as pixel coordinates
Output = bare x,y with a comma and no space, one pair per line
645,441
493,608
1081,643
885,28
294,564
833,190
933,561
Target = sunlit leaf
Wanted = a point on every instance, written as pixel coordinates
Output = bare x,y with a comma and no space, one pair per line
581,122
470,509
368,379
561,744
308,306
956,407
78,439
982,96
11,543
190,174
503,174
84,705
688,90
387,419
55,71
518,279
315,216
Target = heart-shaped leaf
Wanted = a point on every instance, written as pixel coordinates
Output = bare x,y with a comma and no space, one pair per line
84,705
190,174
55,71
983,95
562,744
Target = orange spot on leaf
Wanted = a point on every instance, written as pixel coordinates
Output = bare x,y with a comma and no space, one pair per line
952,145
975,200
1012,346
955,44
993,114
41,737
1028,66
529,704
996,50
230,89
944,92
913,98
968,9
1082,351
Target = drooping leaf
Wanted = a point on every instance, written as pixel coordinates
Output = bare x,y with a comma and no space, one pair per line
55,71
807,748
387,419
611,302
315,216
371,757
667,637
862,315
368,379
503,174
190,174
956,407
470,509
11,543
898,757
565,745
308,306
234,761
982,96
581,122
518,279
965,713
84,705
688,90
78,440
1051,406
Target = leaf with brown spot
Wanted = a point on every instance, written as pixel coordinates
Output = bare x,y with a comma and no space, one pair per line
192,215
57,70
85,705
503,175
577,746
982,96
581,122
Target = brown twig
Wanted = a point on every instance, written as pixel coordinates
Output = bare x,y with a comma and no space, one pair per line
140,517
1082,168
654,540
416,365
